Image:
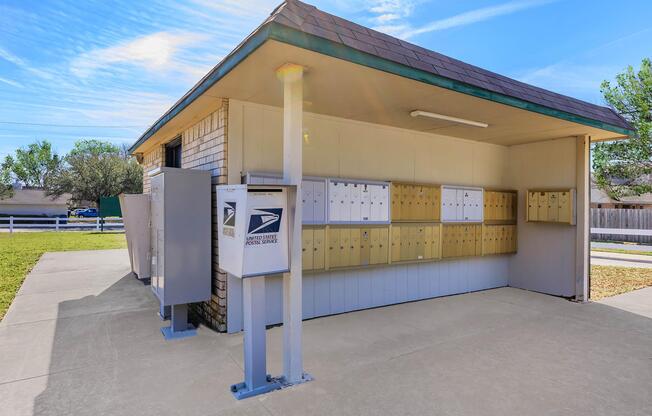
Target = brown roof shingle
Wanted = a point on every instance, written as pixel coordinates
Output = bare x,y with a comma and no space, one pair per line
309,19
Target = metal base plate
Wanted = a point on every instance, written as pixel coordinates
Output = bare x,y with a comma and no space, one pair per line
304,379
168,334
241,391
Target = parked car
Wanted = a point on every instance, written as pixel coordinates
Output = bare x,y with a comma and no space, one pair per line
75,212
87,213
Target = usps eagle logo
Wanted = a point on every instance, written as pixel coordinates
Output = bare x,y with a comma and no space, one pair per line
229,214
265,220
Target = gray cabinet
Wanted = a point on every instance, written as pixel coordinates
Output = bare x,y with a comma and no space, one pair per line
181,235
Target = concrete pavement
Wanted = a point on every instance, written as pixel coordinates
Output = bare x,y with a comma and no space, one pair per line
621,246
603,258
638,301
82,338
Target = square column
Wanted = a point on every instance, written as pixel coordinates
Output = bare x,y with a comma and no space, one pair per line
582,253
292,77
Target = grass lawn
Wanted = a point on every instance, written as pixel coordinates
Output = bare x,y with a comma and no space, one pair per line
609,281
19,252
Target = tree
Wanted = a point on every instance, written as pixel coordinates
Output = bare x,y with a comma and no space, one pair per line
624,168
6,189
33,164
94,169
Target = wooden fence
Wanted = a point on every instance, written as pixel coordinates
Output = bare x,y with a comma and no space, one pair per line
635,219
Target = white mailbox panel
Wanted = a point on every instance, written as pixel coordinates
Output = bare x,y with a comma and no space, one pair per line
362,201
253,228
461,204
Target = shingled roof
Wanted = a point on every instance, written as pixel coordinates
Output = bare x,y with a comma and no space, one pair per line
303,25
309,19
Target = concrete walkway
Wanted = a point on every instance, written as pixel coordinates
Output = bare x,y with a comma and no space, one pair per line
622,246
603,258
82,338
637,301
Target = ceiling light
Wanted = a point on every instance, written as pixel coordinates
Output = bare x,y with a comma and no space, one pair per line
418,113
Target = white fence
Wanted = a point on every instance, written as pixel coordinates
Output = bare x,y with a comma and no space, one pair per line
60,224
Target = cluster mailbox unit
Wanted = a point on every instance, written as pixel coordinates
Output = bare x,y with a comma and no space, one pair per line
351,223
180,243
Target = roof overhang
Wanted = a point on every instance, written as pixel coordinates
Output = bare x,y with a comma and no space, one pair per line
345,82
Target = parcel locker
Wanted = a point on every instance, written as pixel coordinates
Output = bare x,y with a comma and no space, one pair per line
333,248
533,206
374,246
542,213
383,250
354,240
448,204
379,203
459,204
319,245
420,242
345,200
307,249
564,207
412,240
478,240
334,200
345,247
405,242
319,201
427,241
365,203
396,243
553,206
355,199
395,191
365,246
488,209
307,201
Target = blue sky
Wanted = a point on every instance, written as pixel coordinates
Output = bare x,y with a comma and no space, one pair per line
108,69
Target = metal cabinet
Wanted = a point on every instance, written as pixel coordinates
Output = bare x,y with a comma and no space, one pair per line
181,236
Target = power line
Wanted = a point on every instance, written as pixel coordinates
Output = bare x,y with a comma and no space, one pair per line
17,123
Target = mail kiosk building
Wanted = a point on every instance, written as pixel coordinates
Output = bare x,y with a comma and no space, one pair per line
423,176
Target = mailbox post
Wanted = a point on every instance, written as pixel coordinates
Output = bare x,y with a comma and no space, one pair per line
254,241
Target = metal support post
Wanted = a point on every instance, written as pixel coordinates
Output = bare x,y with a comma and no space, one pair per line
179,326
257,381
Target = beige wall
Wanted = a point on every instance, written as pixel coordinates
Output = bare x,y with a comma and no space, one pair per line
345,148
545,261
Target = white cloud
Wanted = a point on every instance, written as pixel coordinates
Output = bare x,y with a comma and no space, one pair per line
154,52
11,82
466,18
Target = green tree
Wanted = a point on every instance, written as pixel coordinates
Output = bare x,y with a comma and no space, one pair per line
624,168
93,169
32,164
6,190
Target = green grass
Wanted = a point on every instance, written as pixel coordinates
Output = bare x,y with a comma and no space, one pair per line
19,252
621,251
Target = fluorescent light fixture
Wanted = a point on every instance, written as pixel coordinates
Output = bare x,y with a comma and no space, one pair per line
420,113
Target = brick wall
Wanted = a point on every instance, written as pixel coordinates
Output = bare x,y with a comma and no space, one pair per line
204,147
151,160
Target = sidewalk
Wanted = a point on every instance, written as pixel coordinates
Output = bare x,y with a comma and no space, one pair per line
603,258
638,302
